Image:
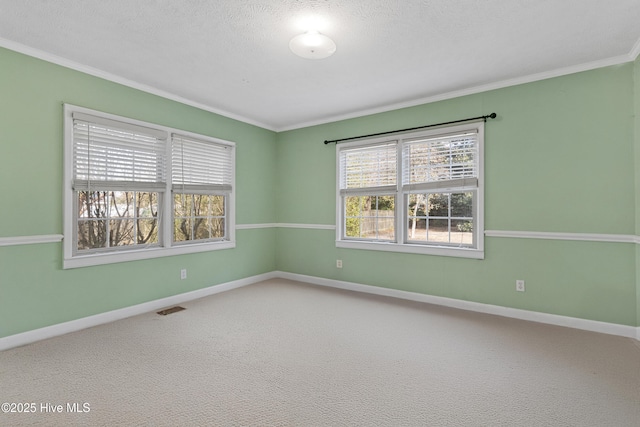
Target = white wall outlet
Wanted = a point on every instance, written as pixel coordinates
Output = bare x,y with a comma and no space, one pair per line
520,285
339,263
183,274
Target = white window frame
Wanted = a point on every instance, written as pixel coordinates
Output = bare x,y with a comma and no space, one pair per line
164,247
401,219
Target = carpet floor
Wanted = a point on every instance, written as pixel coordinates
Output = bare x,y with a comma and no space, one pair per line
282,353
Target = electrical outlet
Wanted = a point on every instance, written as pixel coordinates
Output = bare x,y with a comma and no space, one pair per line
339,263
520,285
183,274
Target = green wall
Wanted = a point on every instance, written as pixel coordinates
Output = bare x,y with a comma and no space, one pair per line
34,290
562,156
559,158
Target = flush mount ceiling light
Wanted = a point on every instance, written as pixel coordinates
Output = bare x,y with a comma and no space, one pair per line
312,45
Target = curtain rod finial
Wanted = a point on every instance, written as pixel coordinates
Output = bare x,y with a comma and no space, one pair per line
493,115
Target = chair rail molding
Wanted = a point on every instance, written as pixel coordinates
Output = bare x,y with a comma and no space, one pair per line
513,234
586,237
30,240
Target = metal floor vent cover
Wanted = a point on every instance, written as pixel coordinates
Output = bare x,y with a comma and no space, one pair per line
170,310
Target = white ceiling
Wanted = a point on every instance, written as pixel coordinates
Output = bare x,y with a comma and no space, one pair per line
232,56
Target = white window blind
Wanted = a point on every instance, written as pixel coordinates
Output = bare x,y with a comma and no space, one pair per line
201,167
422,192
369,169
120,173
446,161
112,155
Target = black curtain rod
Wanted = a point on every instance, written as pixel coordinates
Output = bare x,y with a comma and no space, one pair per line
489,116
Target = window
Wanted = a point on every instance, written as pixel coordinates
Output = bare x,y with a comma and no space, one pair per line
202,174
135,190
420,193
368,190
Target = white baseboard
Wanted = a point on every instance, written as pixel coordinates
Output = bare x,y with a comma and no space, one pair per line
533,316
111,316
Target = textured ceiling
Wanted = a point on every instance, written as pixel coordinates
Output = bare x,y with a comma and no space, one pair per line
232,56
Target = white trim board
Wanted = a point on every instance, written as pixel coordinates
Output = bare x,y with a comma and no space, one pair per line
55,238
532,316
255,226
30,240
286,225
585,237
29,337
307,226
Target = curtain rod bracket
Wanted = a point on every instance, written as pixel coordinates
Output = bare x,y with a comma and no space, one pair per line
488,116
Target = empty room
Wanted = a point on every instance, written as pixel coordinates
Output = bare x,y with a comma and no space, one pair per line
320,213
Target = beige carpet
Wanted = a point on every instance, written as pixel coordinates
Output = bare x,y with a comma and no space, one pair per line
286,354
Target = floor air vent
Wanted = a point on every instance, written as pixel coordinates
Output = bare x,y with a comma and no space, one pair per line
170,310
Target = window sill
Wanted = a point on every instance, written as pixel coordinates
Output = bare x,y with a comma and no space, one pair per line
413,249
135,255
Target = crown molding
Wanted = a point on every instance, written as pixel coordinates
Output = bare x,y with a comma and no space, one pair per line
635,51
472,90
36,53
67,63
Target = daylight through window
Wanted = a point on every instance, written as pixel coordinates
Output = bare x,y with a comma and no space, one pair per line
420,192
138,190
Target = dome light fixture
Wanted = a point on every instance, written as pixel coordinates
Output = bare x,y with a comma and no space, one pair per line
312,45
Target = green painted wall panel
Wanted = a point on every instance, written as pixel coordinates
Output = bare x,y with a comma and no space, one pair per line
589,280
307,169
559,158
34,290
563,155
306,178
31,149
